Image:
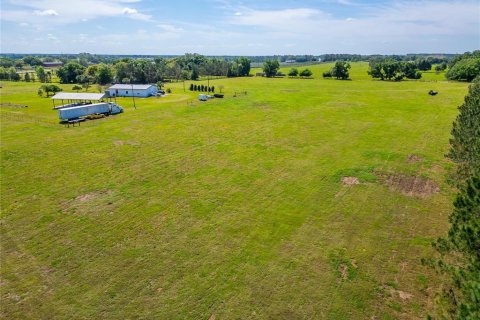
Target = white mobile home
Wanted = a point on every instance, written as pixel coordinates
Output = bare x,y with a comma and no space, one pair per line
128,90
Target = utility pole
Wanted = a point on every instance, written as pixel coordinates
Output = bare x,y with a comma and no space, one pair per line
133,95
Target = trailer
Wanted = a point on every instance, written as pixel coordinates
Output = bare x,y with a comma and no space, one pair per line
76,112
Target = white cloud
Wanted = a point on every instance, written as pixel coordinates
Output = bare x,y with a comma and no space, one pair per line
402,21
48,12
169,28
275,18
67,12
129,11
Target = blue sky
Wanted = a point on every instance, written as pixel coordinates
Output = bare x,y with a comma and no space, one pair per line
227,27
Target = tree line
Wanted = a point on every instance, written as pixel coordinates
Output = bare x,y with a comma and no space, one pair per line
187,67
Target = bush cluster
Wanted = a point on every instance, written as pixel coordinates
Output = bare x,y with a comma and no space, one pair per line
201,88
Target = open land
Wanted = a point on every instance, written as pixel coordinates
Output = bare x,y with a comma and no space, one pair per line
304,198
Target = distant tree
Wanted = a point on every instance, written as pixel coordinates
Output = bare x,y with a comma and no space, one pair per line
85,80
232,70
40,92
270,68
410,70
69,72
32,61
6,62
19,64
441,67
76,88
13,75
50,88
3,73
213,88
327,74
27,77
191,86
340,70
91,70
194,74
243,65
424,65
293,72
48,76
305,73
386,69
104,74
464,70
42,76
32,77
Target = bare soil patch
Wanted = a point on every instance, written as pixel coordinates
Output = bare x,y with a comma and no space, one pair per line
129,142
413,186
91,195
92,203
413,158
343,269
398,293
350,181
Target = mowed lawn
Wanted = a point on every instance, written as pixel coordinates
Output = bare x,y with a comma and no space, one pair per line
228,209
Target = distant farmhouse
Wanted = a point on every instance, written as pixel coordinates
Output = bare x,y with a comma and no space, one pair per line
52,64
290,61
129,90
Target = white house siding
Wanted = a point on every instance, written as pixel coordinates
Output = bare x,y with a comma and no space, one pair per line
127,92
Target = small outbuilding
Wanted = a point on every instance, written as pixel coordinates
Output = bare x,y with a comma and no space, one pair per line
129,90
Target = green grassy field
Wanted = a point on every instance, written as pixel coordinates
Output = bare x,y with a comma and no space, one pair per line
229,209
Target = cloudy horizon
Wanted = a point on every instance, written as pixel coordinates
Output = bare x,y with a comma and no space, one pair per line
224,27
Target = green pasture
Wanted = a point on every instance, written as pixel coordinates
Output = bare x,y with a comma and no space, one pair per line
228,209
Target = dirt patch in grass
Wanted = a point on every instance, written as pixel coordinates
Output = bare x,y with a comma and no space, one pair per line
398,293
413,186
343,269
91,195
413,158
92,203
121,143
349,181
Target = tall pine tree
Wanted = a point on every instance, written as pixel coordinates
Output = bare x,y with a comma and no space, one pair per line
465,142
460,250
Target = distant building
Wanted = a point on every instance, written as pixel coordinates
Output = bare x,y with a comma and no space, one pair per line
290,61
129,90
52,64
260,74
